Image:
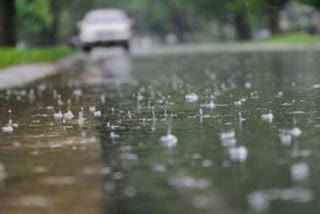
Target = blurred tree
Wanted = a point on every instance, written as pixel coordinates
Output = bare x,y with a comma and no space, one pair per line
274,20
7,23
234,11
159,17
177,18
314,3
51,21
33,20
241,19
273,9
41,19
276,3
56,10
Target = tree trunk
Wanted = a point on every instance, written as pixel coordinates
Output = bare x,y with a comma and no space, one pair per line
222,36
54,31
179,25
274,20
7,23
242,25
179,20
317,15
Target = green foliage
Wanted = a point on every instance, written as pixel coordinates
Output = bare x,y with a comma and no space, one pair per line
36,17
294,38
313,3
33,15
10,56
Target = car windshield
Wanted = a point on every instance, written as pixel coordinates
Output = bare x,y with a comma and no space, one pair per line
96,18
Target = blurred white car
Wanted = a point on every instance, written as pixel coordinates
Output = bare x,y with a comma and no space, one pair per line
105,27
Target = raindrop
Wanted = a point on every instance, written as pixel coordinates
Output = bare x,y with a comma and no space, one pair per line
165,109
81,118
259,201
8,128
59,180
92,109
201,202
210,105
280,94
285,138
3,173
299,171
68,115
238,153
114,135
158,167
207,163
128,156
32,201
40,169
238,103
130,192
248,85
192,97
58,116
139,97
129,115
241,119
228,138
295,132
103,99
153,114
77,92
60,103
267,117
201,115
97,114
185,181
169,140
118,175
105,170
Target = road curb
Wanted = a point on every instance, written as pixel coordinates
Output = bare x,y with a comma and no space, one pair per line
18,75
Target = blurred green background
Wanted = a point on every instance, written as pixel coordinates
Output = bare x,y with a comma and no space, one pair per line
30,23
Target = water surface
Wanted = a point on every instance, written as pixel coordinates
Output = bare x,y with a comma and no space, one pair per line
230,156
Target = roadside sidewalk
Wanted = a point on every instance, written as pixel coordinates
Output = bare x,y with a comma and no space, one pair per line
19,75
216,48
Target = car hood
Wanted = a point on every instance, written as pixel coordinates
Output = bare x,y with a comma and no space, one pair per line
106,26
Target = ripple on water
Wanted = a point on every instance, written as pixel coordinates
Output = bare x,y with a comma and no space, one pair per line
239,154
192,97
31,201
299,171
260,200
169,140
228,138
188,182
59,180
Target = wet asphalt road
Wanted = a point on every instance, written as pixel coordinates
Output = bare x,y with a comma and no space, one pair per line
184,133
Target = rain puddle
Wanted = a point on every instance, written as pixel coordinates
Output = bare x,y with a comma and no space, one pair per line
205,133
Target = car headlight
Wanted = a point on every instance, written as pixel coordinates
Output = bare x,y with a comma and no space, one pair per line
87,35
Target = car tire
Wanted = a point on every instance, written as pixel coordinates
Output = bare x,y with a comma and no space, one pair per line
87,49
126,46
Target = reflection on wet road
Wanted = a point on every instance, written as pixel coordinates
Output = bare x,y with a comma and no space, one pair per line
203,133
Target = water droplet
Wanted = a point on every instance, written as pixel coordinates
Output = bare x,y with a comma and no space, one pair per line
267,117
169,140
238,153
192,97
299,171
68,115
